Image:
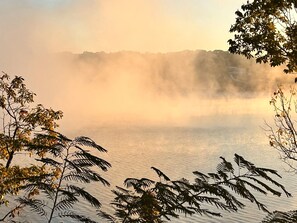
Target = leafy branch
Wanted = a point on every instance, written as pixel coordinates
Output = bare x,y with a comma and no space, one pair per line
73,165
146,200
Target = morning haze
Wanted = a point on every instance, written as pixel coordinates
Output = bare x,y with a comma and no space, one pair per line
149,69
153,88
153,83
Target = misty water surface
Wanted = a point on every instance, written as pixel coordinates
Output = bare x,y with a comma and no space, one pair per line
177,111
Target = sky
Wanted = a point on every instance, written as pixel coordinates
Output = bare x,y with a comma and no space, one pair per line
34,32
30,26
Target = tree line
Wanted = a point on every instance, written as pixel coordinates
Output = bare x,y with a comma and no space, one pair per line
54,182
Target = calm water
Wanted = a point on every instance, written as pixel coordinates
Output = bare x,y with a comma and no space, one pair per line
178,151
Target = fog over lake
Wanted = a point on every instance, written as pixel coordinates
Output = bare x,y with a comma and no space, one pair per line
149,88
177,111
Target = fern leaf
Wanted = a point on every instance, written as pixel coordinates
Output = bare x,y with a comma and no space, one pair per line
201,176
34,204
73,166
241,162
260,189
281,217
225,166
87,196
268,178
86,141
73,176
274,172
274,192
143,182
94,176
106,216
49,161
66,203
77,217
160,174
93,160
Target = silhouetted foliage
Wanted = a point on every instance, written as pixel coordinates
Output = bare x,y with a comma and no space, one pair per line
54,185
283,135
281,217
146,200
74,166
267,30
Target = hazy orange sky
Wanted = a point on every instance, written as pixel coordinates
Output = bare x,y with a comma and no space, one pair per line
115,25
117,88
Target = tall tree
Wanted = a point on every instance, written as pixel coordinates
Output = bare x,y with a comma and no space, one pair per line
19,121
57,167
267,31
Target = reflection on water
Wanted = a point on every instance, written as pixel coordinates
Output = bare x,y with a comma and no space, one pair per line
178,151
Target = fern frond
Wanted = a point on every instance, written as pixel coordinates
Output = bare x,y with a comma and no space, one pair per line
96,161
49,161
208,213
214,176
245,193
66,204
274,192
224,194
122,190
34,204
72,165
74,216
56,135
73,176
256,188
86,195
274,172
40,185
86,141
83,162
281,217
94,176
225,166
138,183
160,174
106,216
241,162
262,174
201,176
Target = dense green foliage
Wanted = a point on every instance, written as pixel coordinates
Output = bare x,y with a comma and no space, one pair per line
267,30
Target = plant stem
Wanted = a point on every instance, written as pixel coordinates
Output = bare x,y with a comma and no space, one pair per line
59,184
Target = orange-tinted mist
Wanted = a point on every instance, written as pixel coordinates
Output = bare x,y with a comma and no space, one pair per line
182,88
130,87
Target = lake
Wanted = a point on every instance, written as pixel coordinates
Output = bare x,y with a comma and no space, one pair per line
178,151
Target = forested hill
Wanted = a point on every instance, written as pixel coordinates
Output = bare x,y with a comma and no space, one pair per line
207,73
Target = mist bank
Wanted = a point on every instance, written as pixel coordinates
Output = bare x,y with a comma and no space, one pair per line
152,88
204,73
